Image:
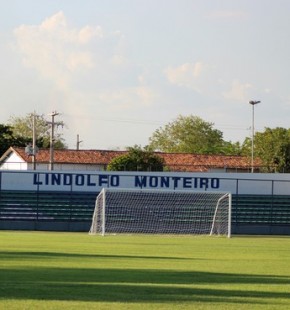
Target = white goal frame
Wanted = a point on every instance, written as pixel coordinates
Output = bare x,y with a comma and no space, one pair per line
210,209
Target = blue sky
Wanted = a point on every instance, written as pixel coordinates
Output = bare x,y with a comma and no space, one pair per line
117,70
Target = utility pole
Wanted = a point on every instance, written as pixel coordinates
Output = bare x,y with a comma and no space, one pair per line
32,149
51,149
34,142
78,142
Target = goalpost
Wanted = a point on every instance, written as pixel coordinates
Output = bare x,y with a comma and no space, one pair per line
139,211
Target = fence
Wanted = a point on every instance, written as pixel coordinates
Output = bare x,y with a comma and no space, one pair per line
263,210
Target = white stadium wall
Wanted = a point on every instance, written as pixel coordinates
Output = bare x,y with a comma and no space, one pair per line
236,183
30,199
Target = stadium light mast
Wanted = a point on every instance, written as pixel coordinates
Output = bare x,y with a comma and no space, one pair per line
253,103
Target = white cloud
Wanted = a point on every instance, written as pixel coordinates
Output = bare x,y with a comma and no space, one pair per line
54,22
238,91
88,33
55,50
77,60
187,74
57,26
226,14
89,70
128,98
118,60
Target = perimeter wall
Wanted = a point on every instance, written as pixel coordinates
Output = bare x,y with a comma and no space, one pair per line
64,201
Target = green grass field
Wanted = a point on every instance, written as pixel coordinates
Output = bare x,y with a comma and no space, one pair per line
41,270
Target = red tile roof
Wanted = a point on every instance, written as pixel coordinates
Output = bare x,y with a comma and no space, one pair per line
175,161
72,156
197,162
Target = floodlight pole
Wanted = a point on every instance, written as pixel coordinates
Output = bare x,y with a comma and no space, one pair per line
253,103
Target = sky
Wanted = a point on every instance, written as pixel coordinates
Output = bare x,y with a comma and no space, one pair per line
117,70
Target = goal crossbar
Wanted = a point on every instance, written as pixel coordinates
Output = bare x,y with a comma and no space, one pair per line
161,212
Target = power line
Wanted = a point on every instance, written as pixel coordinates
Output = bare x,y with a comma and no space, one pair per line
119,120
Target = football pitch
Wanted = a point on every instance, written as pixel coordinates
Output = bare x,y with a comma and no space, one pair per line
47,270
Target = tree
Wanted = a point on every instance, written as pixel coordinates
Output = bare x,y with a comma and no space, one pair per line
231,148
188,134
22,127
7,139
137,159
273,148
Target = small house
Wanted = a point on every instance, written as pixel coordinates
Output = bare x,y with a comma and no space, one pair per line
15,158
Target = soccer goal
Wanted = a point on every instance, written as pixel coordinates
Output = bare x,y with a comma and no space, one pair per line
161,212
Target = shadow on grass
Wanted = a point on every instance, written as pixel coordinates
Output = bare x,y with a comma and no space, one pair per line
133,285
48,255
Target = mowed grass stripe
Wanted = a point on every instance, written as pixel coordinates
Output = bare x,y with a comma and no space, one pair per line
47,270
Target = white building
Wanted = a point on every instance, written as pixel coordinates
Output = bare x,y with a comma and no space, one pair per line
97,160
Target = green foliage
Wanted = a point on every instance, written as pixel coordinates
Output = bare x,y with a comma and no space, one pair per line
273,147
23,128
231,148
7,139
137,159
188,134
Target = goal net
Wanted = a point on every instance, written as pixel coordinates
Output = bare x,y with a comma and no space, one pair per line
161,212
